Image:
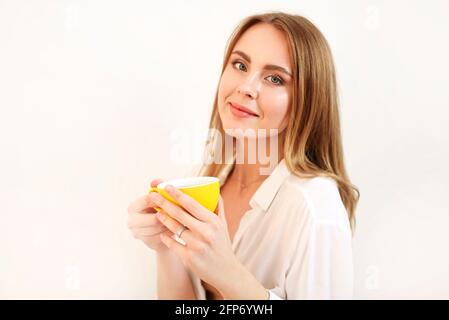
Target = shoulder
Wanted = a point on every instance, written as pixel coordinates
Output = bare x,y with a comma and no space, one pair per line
319,197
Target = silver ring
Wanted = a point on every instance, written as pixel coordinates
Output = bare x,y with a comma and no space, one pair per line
180,231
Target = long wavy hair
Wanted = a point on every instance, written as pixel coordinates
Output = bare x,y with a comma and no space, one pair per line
312,141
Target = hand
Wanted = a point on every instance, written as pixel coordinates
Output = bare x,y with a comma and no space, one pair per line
143,223
208,250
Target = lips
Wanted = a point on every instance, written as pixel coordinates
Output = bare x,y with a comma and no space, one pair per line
243,109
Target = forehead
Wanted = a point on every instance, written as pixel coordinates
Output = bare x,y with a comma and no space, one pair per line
265,44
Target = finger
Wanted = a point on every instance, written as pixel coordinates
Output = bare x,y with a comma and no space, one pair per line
178,213
136,220
174,227
174,245
168,222
150,231
189,239
168,233
189,204
151,237
142,204
155,182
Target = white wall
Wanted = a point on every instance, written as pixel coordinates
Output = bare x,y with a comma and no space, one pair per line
94,93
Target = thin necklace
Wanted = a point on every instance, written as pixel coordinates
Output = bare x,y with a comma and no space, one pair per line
245,185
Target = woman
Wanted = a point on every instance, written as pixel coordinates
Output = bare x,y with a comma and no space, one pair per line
282,232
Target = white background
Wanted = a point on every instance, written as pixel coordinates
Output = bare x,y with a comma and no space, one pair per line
96,98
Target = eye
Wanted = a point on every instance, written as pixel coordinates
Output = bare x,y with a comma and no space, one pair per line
277,80
236,62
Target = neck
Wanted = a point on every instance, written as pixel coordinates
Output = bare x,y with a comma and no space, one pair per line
250,168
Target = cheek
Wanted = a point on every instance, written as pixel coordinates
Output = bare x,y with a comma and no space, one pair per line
225,88
275,109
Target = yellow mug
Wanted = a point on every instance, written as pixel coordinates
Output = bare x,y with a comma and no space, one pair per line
205,190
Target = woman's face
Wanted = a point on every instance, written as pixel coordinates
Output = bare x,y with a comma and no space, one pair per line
252,79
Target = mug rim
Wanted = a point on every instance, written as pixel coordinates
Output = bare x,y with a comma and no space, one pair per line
184,182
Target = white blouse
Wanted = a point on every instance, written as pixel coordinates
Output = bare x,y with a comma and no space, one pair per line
296,238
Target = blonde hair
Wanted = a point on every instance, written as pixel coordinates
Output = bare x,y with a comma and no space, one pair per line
312,143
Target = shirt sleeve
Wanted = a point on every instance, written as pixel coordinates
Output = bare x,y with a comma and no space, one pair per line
322,268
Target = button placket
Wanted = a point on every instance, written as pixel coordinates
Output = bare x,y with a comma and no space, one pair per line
244,222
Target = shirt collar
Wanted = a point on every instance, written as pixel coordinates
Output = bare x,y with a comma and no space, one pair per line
266,192
264,195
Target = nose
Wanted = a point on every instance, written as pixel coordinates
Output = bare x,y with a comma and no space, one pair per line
249,87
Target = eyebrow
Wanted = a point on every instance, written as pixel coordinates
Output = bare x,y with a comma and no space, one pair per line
267,66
